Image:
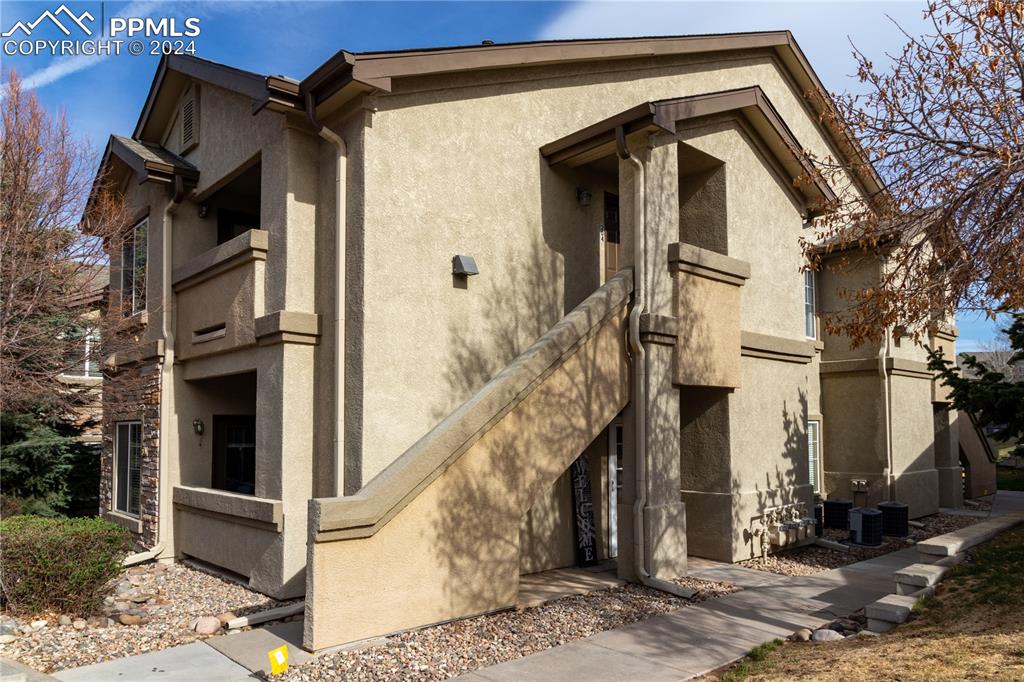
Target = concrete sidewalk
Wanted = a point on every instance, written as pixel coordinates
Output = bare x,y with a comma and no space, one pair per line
698,639
685,643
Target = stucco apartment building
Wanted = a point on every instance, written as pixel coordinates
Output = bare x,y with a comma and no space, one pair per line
428,320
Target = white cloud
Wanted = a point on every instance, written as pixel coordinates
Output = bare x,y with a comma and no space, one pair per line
823,29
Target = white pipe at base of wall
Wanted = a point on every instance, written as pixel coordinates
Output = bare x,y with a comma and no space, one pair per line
640,387
142,557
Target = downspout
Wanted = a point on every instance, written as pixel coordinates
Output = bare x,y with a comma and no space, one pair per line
640,372
167,363
883,358
340,177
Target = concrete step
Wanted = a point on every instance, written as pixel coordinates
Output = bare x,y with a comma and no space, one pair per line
916,576
888,612
965,538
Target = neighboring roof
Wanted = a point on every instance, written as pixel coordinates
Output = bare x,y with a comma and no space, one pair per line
752,104
151,162
92,282
348,74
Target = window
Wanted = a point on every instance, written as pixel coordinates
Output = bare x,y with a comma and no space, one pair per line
127,467
813,453
234,453
83,359
133,270
810,320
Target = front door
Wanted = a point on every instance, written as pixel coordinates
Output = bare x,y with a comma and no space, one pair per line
234,453
610,234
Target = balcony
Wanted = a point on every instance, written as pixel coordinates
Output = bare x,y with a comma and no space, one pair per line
219,296
708,309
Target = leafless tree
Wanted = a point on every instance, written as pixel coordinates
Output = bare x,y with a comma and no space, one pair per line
52,271
943,123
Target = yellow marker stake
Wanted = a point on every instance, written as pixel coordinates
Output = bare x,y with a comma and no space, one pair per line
278,659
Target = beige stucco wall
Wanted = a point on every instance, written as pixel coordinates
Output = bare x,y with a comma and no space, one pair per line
454,549
472,182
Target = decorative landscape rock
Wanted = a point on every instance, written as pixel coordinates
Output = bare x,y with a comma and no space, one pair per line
80,624
207,625
7,639
38,624
801,635
65,620
225,617
129,619
826,635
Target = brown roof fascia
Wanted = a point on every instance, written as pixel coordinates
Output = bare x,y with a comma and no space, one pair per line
148,170
377,69
243,82
591,141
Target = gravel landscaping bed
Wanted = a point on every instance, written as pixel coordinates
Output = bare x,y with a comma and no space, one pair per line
152,607
444,651
814,559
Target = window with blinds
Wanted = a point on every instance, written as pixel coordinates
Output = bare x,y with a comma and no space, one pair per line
813,454
810,317
128,467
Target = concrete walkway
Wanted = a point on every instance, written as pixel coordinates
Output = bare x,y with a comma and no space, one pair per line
698,639
685,643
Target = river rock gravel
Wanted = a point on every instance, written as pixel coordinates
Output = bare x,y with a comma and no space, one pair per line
162,601
444,651
813,559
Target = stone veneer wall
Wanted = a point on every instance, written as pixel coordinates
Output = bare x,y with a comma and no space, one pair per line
133,394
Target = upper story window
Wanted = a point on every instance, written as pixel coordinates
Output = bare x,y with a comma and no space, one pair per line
133,269
810,316
83,360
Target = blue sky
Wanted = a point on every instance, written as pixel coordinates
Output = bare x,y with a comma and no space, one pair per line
104,95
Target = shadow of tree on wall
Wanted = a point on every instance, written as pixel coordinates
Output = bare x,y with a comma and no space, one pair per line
524,451
780,485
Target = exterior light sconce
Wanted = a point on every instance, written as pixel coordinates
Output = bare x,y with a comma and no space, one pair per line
464,266
198,427
204,210
583,197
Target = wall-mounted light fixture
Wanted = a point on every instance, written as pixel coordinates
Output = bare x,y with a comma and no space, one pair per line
204,210
464,266
583,196
198,426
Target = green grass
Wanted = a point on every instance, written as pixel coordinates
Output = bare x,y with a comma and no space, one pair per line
1009,479
748,666
925,603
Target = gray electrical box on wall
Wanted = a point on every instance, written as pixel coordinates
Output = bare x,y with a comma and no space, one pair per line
465,266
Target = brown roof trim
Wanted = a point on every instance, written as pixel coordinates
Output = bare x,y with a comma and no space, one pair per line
355,73
150,162
246,83
598,139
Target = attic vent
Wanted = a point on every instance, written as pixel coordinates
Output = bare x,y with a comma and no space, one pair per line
190,119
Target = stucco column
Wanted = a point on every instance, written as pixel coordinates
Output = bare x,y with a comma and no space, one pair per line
665,514
284,455
288,212
947,457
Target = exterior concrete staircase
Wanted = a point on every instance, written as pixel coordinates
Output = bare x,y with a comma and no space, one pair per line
435,536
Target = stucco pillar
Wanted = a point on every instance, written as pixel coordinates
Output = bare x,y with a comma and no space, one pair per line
665,514
284,457
947,457
288,212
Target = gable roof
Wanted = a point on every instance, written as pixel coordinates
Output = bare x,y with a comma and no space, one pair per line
348,74
174,72
751,103
151,162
